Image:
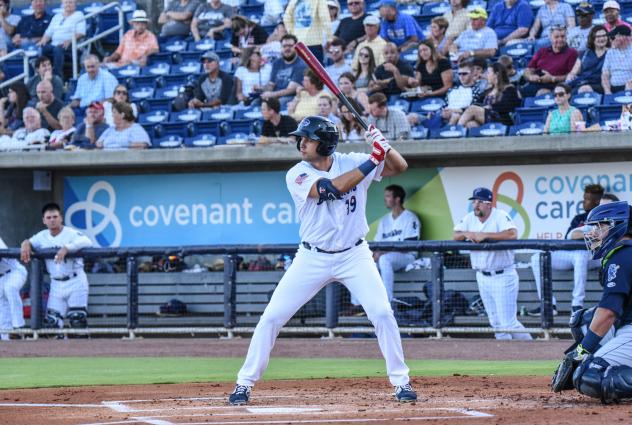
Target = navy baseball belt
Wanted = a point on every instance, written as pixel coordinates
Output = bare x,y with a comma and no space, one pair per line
64,278
7,272
315,248
492,272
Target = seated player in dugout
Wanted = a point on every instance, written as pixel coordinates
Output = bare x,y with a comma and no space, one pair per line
599,364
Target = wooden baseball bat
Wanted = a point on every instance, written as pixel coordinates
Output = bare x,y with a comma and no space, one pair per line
310,60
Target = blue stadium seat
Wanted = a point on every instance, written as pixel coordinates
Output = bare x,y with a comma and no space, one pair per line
419,133
222,113
156,104
12,67
181,129
140,81
169,92
238,126
160,57
188,67
518,50
435,9
227,65
172,80
523,115
399,103
187,115
545,100
224,53
174,46
126,71
168,142
203,45
586,100
527,129
210,128
138,94
601,113
182,57
149,128
156,70
236,139
153,117
128,5
253,112
492,129
251,9
448,132
621,98
200,141
430,104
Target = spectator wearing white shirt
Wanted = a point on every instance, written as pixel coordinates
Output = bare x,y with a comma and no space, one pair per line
480,40
337,54
616,73
95,85
57,39
32,133
251,77
125,133
8,23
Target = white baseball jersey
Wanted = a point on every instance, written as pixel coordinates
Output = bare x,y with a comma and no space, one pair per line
331,225
72,239
498,221
7,264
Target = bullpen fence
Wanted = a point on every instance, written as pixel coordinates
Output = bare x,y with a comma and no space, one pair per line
330,325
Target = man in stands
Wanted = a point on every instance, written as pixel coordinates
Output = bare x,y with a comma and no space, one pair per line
176,19
578,35
215,87
478,41
399,28
467,93
32,133
137,45
372,41
390,121
616,73
337,54
287,73
31,28
47,105
275,125
210,20
93,125
44,71
550,65
8,24
392,76
94,85
351,28
511,20
612,15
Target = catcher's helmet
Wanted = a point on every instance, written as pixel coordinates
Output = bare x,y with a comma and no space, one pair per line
605,225
320,129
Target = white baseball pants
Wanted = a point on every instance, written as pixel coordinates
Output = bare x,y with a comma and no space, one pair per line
11,308
69,293
500,296
388,264
311,271
615,346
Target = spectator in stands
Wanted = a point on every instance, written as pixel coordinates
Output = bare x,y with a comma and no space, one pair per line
617,67
310,22
338,66
552,14
334,14
326,109
272,49
350,129
479,40
47,105
458,21
433,73
462,96
137,45
306,101
125,133
392,77
478,66
511,20
351,28
372,41
63,27
91,128
176,20
12,107
8,24
59,138
391,121
121,94
586,73
210,20
578,35
251,77
31,28
275,125
94,85
32,133
215,87
550,65
287,73
44,71
514,75
272,12
437,36
565,117
246,33
366,68
501,99
612,15
346,82
399,28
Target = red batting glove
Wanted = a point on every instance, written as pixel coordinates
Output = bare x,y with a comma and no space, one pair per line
378,154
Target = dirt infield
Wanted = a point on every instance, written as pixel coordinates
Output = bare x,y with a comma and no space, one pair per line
454,399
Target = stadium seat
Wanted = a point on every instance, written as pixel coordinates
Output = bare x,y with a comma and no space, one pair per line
586,100
174,46
523,115
601,113
492,129
431,104
399,103
203,45
200,141
251,9
419,133
236,139
149,128
157,69
126,71
237,126
140,81
168,92
168,142
188,67
621,98
518,50
527,129
449,132
155,104
224,53
253,112
182,57
153,117
219,114
160,57
12,67
210,127
434,9
173,79
138,94
187,115
545,100
181,129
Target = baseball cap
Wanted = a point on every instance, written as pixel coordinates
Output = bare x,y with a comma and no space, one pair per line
623,30
482,194
611,4
478,13
388,3
139,15
333,3
585,8
371,20
96,105
212,56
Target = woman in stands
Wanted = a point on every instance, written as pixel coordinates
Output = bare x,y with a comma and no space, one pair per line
438,28
125,133
552,13
433,73
350,130
251,77
346,82
11,108
334,14
366,68
501,99
246,34
586,74
565,117
120,95
59,138
306,101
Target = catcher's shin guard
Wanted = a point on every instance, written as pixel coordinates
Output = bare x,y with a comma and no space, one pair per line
616,384
579,322
78,317
53,319
589,375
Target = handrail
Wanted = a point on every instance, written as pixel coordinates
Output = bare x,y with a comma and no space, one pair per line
76,46
25,73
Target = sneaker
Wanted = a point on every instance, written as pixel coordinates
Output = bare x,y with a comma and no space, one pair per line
576,308
405,393
240,395
536,312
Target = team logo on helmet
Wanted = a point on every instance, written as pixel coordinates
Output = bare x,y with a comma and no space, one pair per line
304,123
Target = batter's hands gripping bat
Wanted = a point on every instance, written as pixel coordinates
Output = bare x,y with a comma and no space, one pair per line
313,64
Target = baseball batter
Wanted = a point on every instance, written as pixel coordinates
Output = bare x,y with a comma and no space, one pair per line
68,297
12,279
496,275
600,365
329,190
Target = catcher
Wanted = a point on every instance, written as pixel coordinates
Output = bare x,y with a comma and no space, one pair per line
599,364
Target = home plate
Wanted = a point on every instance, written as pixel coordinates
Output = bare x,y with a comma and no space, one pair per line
282,410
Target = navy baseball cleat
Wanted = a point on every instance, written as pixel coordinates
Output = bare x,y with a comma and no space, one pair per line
240,395
405,393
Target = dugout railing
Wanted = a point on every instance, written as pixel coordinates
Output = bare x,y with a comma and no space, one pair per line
330,325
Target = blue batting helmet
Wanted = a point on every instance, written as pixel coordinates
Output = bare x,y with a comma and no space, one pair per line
321,130
605,226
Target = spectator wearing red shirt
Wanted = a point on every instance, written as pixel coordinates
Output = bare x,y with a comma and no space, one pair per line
612,15
550,65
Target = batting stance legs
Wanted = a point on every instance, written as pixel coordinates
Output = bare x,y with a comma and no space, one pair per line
310,271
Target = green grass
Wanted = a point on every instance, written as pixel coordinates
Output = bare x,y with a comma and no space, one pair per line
75,371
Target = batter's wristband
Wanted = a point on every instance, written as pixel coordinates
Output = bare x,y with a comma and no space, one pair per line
591,341
366,167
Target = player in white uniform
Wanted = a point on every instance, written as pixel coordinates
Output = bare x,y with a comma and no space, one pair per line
12,279
496,275
68,296
329,190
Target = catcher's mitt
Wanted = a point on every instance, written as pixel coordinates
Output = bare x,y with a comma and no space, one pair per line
562,379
